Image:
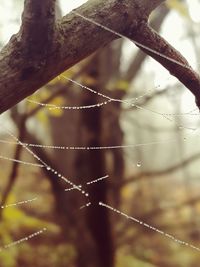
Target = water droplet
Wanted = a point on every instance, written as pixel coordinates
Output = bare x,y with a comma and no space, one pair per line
48,168
139,164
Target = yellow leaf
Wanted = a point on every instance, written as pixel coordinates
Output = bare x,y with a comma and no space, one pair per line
55,112
122,84
42,117
57,102
126,192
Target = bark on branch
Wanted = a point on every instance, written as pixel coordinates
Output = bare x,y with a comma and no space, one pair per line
37,29
140,57
42,49
169,57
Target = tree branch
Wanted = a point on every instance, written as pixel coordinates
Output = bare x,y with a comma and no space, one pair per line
23,71
154,174
140,57
169,57
37,29
15,167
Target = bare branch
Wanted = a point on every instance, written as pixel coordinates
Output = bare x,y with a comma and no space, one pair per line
169,57
37,29
141,56
15,167
154,174
23,70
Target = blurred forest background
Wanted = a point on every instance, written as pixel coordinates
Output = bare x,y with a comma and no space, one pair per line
154,177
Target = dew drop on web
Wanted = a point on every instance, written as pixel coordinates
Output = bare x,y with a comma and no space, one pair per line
139,164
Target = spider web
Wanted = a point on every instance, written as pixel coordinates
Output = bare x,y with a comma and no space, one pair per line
128,103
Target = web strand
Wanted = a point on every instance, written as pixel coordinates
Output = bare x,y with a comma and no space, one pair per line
127,102
27,238
169,236
85,206
91,147
88,183
52,107
21,161
129,39
48,168
18,203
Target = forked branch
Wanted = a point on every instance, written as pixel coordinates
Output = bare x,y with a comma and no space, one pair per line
42,49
